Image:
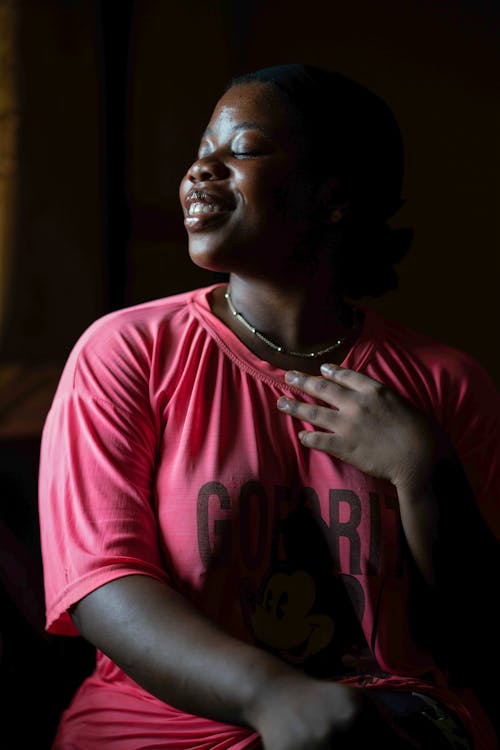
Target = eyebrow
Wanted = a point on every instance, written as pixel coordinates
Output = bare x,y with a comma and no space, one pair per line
241,126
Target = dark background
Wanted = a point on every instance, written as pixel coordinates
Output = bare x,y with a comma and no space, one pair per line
110,100
114,96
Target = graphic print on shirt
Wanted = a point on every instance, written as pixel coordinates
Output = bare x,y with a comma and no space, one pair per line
302,612
296,599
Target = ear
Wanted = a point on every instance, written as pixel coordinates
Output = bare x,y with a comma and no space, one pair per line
332,201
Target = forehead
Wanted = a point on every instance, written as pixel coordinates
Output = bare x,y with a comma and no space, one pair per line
258,106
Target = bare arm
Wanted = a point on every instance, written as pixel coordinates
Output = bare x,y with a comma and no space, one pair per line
174,652
444,528
373,428
169,648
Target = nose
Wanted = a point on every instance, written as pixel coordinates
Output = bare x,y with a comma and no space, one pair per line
208,168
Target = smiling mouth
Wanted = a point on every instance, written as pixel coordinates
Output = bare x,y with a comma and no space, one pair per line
197,208
203,210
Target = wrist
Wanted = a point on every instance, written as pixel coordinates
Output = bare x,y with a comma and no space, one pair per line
417,477
266,692
266,680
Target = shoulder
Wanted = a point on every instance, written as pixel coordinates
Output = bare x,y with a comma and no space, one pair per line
456,389
144,320
440,376
116,354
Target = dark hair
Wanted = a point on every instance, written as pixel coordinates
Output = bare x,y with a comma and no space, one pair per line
367,158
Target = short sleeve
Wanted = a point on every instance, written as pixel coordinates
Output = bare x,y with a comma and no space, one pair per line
472,419
96,506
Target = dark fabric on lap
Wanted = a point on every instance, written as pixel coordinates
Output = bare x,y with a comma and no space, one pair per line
423,719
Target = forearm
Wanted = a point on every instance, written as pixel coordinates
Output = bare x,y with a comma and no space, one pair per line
458,556
446,533
419,511
160,640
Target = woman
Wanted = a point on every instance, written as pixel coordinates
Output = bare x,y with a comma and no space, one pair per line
250,498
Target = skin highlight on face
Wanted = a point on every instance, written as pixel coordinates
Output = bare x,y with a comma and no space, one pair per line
247,198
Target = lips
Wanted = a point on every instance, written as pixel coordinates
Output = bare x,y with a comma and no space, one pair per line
203,208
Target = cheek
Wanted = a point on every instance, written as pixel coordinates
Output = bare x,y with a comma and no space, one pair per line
271,194
290,195
291,203
283,201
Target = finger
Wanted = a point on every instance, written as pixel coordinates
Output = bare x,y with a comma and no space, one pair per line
327,442
332,443
320,416
350,379
327,389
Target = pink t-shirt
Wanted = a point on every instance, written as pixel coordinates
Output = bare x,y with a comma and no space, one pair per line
164,455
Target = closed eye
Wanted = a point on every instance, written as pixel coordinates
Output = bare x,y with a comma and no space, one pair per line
245,154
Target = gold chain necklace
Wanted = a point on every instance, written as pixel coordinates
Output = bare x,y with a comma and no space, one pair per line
282,349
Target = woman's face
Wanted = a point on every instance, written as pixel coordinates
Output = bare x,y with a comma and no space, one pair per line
247,199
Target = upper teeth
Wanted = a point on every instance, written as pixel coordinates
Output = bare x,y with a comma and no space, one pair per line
203,208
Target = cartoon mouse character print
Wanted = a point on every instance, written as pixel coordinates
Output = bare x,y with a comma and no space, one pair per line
305,612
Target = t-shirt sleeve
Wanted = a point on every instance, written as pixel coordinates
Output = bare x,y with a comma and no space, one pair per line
96,505
472,419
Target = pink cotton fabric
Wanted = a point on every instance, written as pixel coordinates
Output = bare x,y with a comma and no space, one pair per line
164,455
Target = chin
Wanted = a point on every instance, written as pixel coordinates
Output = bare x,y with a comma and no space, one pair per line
210,259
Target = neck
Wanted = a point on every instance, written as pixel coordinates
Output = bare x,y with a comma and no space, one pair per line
298,316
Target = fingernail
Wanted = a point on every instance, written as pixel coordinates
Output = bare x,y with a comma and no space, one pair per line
282,403
292,376
328,368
